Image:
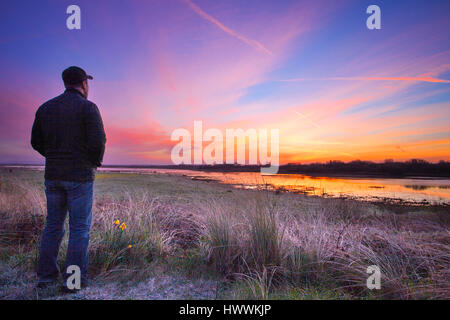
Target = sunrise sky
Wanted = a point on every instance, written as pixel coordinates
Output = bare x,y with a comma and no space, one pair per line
312,69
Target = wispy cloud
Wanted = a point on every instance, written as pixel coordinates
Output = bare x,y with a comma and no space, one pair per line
418,79
253,43
306,118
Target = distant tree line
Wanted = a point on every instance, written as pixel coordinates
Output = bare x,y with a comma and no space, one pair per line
414,167
389,168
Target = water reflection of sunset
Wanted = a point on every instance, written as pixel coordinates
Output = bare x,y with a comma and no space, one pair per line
435,191
417,190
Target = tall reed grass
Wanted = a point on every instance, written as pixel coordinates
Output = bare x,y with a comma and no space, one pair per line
266,241
329,243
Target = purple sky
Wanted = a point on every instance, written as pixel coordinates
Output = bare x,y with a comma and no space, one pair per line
312,69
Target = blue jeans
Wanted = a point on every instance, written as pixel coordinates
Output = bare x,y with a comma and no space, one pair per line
77,198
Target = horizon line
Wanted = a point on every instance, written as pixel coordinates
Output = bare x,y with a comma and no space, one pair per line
236,164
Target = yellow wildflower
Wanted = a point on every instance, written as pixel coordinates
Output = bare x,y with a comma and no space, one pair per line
123,226
129,246
116,222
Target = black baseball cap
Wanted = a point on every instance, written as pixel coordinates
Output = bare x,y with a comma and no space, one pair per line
75,76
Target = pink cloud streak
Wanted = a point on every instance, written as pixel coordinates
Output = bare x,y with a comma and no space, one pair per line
250,42
422,79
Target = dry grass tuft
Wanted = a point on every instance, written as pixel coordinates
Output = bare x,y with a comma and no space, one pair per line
330,243
267,241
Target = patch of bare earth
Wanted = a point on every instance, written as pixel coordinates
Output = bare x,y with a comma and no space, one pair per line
157,288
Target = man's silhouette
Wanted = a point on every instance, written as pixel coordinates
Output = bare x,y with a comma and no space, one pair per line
68,132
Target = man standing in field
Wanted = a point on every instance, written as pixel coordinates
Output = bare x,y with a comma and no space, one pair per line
68,132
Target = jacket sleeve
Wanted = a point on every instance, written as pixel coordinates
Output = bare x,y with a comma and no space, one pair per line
36,136
95,133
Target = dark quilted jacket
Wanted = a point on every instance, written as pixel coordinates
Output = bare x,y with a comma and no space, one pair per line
68,131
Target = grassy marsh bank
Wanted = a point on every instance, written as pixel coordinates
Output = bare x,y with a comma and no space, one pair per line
229,243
